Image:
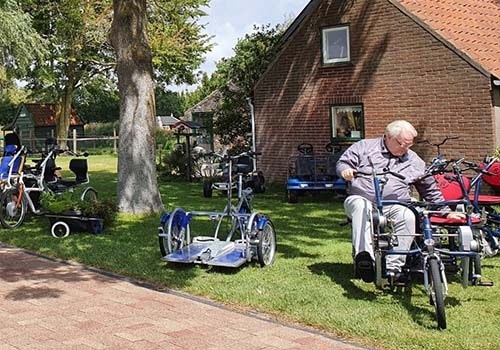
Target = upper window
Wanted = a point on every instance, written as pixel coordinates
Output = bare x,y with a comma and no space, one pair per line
347,122
336,47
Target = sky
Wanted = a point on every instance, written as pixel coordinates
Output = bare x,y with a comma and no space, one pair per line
229,20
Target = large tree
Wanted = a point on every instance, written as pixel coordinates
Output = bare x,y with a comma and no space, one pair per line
77,35
182,43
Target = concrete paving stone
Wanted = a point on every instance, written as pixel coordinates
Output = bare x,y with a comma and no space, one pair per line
51,304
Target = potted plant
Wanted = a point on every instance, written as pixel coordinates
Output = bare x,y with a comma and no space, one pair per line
69,214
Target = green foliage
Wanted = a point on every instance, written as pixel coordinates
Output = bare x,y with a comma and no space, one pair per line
104,209
177,39
206,87
98,101
168,102
174,162
70,202
20,44
101,128
58,204
235,78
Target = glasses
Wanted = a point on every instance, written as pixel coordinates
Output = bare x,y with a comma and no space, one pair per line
403,145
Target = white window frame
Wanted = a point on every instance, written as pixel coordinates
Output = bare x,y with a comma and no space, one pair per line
328,56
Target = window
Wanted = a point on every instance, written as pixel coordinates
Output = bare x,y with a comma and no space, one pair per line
336,47
347,122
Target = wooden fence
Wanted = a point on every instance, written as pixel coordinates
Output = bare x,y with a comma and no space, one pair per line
36,143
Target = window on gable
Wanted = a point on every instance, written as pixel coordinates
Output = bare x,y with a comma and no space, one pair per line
347,122
336,46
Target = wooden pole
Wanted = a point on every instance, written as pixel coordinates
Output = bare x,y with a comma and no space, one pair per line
74,141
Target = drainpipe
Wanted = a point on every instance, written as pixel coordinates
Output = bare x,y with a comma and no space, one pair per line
250,104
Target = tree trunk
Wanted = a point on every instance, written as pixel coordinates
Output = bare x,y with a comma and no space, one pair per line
63,115
137,184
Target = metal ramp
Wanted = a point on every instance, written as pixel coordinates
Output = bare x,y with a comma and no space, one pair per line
210,251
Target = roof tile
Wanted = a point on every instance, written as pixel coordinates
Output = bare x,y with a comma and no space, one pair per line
472,26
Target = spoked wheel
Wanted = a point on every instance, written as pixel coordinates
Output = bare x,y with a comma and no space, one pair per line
176,237
60,229
437,293
89,195
13,208
266,248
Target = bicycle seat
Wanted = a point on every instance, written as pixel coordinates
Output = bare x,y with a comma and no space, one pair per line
439,220
244,165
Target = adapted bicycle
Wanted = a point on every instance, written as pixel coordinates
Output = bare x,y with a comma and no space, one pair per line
454,185
251,235
440,245
24,195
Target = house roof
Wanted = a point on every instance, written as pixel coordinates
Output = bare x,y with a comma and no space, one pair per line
167,120
469,27
208,104
187,124
45,114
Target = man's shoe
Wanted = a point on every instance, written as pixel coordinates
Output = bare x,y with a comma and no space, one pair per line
364,267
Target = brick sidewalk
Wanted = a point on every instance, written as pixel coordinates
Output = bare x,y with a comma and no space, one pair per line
49,304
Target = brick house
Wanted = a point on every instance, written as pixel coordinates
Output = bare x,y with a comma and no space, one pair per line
346,68
38,121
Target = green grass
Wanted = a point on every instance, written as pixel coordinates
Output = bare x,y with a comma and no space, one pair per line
310,283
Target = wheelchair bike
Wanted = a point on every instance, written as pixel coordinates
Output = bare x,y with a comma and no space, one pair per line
251,235
23,195
440,246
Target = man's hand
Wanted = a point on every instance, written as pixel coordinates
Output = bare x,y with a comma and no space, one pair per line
456,216
348,174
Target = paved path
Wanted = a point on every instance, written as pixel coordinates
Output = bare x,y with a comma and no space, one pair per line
50,304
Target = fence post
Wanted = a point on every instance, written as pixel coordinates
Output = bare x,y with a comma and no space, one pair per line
114,140
74,141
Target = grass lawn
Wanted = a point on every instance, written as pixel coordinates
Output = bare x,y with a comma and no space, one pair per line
310,283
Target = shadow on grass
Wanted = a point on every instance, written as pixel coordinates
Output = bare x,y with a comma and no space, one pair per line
342,275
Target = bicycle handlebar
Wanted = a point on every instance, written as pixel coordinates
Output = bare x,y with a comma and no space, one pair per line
383,172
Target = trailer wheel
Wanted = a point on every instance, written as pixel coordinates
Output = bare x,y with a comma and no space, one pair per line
60,229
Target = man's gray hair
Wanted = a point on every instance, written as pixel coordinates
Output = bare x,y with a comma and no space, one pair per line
396,127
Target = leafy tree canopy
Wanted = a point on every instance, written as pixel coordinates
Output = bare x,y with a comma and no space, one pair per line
235,78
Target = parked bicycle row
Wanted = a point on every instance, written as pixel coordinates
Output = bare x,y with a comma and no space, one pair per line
23,185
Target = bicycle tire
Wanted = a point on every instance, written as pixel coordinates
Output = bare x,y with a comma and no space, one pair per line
12,210
89,195
172,242
437,294
266,248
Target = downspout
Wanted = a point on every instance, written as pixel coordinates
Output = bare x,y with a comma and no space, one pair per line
252,114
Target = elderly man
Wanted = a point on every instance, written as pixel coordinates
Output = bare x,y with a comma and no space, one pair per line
390,151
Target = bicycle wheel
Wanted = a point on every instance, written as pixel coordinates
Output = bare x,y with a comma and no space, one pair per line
175,237
266,248
437,293
12,208
89,195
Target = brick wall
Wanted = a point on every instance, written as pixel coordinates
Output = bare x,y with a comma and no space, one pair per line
398,71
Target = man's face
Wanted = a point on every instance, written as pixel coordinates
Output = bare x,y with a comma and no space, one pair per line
399,145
